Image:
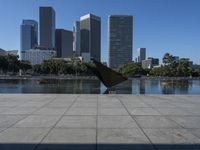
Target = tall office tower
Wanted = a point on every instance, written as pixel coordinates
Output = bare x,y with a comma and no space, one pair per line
47,27
120,37
28,36
141,52
77,38
64,43
90,26
35,29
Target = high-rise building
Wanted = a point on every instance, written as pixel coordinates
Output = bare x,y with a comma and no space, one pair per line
64,43
77,38
141,52
47,27
120,40
35,28
28,36
90,27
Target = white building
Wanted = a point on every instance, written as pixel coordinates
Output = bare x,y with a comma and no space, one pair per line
37,56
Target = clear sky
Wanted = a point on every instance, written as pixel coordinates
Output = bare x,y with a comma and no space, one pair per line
159,25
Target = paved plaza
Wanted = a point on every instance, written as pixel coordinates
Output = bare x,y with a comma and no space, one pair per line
99,122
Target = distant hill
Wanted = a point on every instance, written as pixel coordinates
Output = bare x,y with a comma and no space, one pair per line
13,52
2,51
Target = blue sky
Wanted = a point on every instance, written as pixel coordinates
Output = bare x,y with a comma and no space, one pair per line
159,25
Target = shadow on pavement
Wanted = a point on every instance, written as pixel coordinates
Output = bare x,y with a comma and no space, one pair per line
14,146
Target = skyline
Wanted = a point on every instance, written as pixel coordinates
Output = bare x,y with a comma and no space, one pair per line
158,26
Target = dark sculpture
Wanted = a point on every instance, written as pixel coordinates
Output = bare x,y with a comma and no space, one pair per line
107,76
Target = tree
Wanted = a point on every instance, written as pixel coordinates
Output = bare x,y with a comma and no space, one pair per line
37,69
183,68
167,59
3,63
25,65
131,70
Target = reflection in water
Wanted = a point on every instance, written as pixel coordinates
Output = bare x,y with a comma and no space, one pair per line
173,87
142,86
83,86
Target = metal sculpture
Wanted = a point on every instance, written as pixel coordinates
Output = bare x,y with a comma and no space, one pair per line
107,76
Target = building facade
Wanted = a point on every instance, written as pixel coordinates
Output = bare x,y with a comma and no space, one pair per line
34,24
47,27
77,38
141,52
28,36
150,63
64,43
37,56
90,28
120,40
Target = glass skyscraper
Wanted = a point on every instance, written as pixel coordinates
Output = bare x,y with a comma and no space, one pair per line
64,43
120,40
28,36
47,27
141,52
90,26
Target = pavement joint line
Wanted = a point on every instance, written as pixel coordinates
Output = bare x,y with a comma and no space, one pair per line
167,116
154,146
37,146
187,129
25,116
96,146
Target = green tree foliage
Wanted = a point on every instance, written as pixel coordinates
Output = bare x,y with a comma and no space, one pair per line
167,59
25,65
131,70
171,68
3,63
9,63
60,66
183,68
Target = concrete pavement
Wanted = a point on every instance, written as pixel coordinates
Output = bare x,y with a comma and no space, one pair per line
99,122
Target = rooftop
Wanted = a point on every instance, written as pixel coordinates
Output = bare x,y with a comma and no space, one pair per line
90,16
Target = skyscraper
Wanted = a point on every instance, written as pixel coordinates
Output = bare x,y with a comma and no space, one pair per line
35,29
77,38
120,37
64,43
141,52
90,26
47,27
28,36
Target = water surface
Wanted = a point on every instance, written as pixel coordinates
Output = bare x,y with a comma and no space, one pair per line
92,86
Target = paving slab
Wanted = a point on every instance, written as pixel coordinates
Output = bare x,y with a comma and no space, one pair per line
112,111
175,139
19,111
143,111
73,111
69,139
9,120
116,122
77,122
117,139
155,122
21,138
38,121
50,111
189,122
